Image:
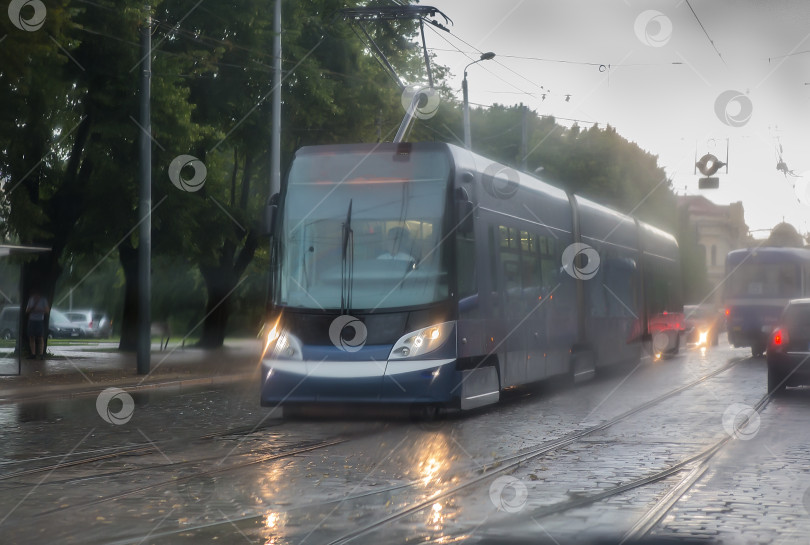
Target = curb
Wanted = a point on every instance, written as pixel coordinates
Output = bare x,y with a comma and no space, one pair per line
77,391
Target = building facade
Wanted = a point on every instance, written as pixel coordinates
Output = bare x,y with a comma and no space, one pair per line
718,229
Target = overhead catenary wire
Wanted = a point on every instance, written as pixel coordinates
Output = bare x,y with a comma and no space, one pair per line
589,122
705,32
566,61
522,91
499,63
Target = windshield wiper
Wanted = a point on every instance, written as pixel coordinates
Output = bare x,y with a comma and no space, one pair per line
347,264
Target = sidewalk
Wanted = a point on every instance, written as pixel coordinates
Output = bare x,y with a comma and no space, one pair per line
80,370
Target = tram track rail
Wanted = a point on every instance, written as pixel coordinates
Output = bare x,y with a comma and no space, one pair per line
657,512
196,475
139,449
512,462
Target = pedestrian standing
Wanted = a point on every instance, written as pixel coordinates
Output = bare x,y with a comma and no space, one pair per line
36,310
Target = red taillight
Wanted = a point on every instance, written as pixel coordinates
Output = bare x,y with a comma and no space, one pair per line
90,325
728,311
780,338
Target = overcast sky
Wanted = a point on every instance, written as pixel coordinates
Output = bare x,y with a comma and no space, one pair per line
648,69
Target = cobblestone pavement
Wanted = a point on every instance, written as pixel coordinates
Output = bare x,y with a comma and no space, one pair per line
320,480
757,490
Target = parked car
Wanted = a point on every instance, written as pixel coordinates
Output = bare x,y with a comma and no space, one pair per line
788,352
703,324
9,322
92,322
60,326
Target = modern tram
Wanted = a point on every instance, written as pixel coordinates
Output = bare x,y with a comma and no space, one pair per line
759,283
422,273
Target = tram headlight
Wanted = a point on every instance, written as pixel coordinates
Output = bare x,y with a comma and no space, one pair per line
286,347
422,341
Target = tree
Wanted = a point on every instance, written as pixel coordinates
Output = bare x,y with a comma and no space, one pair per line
332,92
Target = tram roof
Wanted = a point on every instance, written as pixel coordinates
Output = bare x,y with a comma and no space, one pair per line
770,254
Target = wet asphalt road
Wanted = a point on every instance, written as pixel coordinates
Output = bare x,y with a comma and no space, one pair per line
561,463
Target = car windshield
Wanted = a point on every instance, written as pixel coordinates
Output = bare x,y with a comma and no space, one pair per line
699,312
797,318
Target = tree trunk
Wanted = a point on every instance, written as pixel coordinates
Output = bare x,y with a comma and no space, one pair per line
219,283
128,256
221,279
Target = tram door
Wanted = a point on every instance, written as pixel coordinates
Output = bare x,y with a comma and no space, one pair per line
523,314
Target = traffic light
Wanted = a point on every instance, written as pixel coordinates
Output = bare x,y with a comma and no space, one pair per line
709,165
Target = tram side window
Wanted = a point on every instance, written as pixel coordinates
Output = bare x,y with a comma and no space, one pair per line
620,282
549,262
597,293
806,291
788,282
510,259
662,286
527,263
493,264
465,264
530,265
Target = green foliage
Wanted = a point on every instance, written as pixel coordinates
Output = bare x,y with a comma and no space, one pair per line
69,141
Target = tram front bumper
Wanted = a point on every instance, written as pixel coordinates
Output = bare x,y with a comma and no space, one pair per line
395,381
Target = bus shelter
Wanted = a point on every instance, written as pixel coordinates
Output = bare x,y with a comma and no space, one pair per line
12,312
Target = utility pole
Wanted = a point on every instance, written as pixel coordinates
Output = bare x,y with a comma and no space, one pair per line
145,200
275,139
524,140
467,133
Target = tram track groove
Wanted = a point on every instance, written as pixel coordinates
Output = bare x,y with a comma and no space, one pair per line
139,449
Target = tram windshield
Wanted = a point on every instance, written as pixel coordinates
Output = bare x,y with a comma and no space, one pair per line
363,230
763,280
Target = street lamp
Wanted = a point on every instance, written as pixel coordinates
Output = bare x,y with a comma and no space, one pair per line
467,136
